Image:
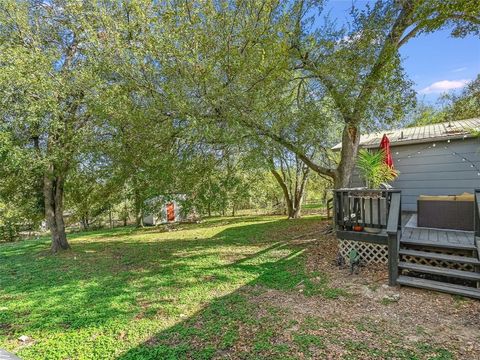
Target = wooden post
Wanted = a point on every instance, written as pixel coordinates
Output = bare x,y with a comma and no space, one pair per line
393,242
394,233
477,213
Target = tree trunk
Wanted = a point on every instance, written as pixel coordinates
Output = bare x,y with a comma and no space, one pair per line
300,192
138,209
53,194
296,213
125,217
292,213
350,144
85,222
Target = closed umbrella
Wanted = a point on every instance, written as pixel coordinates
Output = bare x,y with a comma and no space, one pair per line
385,146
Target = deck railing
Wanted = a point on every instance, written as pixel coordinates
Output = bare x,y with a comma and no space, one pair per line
366,208
379,210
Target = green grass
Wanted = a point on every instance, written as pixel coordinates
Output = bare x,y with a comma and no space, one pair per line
191,293
117,288
313,206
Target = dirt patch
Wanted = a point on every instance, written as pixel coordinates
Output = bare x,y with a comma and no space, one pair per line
6,329
375,313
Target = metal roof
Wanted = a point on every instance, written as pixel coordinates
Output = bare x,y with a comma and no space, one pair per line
421,134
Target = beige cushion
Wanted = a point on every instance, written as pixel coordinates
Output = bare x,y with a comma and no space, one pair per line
462,197
465,197
437,197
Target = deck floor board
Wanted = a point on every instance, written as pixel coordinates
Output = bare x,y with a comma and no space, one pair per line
436,236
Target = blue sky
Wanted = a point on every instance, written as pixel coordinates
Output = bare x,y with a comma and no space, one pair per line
435,62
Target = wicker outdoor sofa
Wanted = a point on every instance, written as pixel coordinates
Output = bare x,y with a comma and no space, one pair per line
446,212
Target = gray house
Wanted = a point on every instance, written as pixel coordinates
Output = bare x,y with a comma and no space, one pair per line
438,159
427,229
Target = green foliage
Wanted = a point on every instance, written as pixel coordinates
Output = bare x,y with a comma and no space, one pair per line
21,200
173,98
465,105
372,168
9,231
451,106
91,193
426,114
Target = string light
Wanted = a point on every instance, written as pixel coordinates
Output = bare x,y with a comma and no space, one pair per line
464,159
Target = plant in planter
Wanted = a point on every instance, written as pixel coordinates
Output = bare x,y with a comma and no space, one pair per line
372,168
375,172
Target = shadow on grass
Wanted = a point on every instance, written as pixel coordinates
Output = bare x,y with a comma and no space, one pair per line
198,293
233,323
109,284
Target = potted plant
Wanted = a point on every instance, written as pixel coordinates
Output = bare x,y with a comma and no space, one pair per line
375,172
357,228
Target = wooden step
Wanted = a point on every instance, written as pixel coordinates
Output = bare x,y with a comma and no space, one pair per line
434,270
439,286
444,257
437,244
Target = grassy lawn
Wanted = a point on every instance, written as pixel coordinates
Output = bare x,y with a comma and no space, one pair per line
227,288
313,206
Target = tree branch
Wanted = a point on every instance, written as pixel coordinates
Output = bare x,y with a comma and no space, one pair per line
410,35
403,21
290,146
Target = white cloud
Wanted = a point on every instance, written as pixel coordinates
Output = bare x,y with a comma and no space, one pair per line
460,69
444,85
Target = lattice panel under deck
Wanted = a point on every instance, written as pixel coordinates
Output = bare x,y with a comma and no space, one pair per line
435,262
369,253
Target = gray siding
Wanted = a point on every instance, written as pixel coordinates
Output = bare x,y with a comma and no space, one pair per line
435,170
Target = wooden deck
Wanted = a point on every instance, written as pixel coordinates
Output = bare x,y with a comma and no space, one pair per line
435,259
439,237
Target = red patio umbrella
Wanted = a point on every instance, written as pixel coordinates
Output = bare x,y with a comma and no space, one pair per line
385,145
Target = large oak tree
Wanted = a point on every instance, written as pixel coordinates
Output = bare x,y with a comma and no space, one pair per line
48,83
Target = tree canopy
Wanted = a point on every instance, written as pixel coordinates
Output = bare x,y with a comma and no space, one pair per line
107,104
